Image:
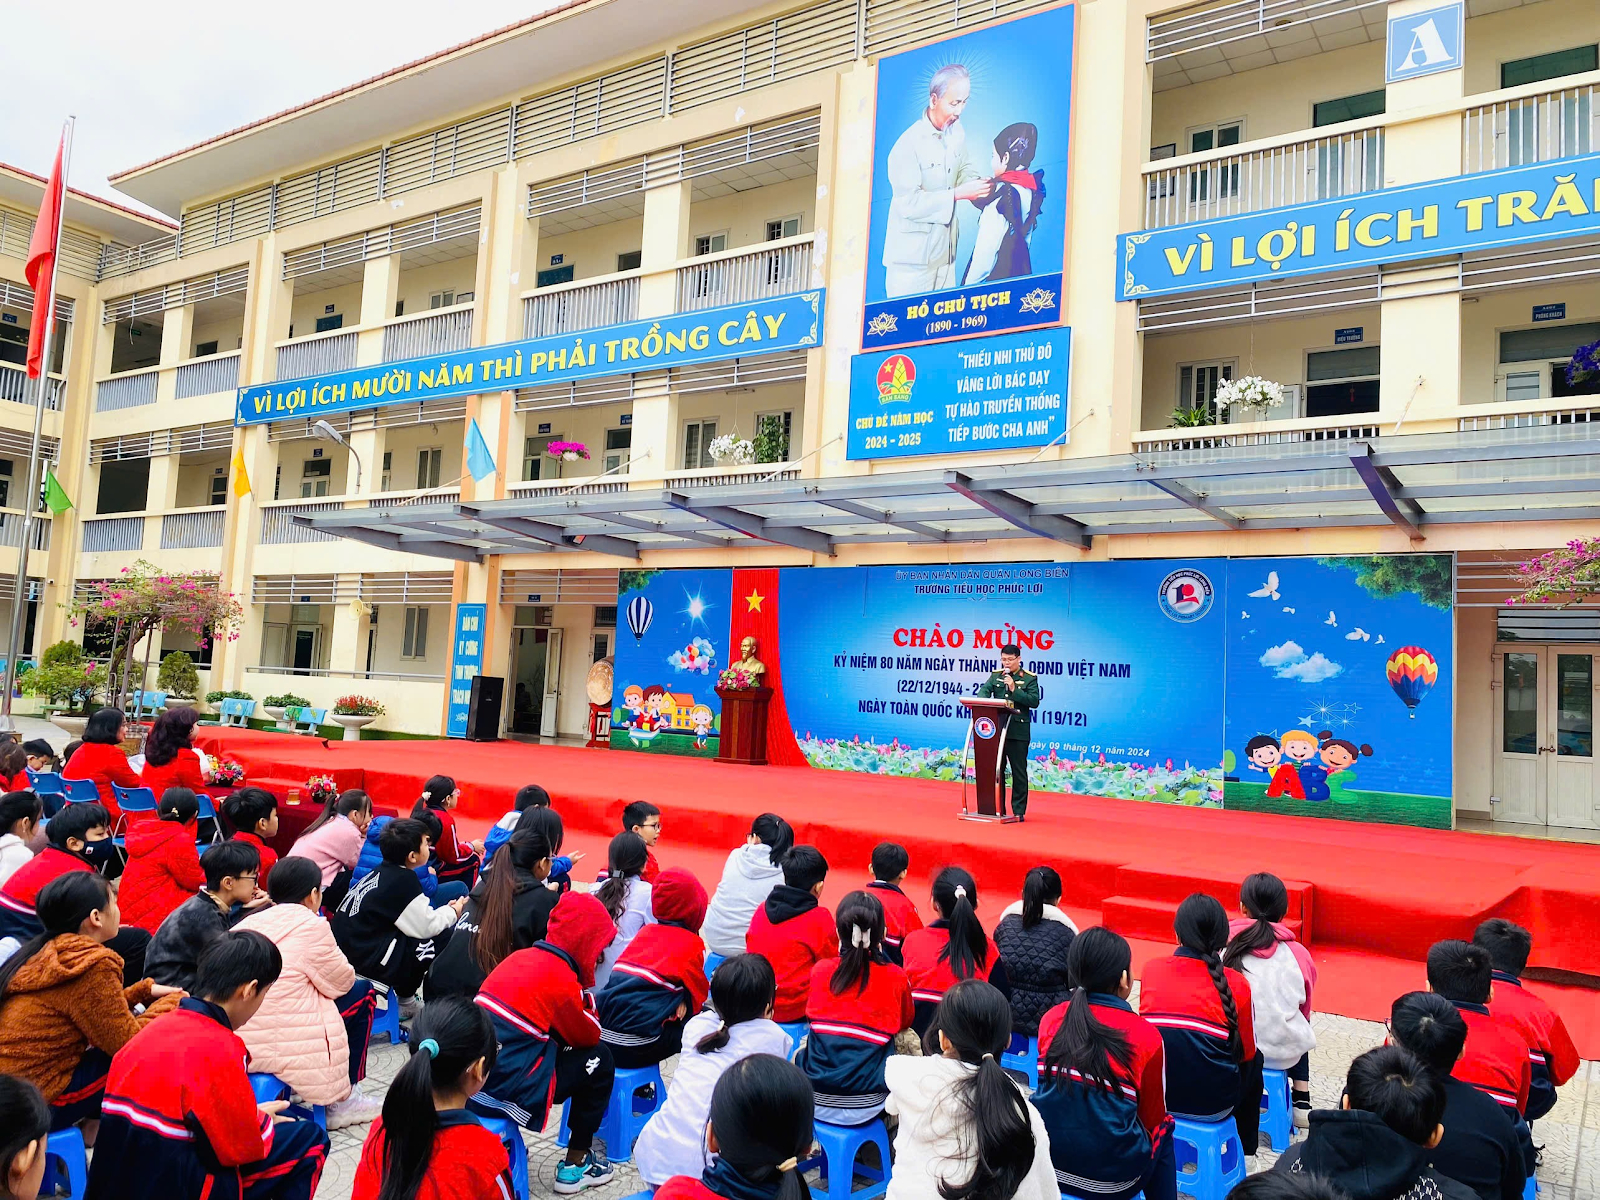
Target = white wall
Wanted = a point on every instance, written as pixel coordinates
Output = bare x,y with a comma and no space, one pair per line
1485,316
391,627
416,285
403,441
745,214
590,252
308,307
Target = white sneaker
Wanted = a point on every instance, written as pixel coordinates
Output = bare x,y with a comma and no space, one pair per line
355,1109
409,1007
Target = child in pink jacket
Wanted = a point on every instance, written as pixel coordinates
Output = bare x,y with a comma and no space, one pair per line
334,840
1282,976
313,1028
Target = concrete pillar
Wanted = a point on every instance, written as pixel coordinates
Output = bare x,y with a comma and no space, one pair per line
162,493
368,445
380,289
177,332
347,644
655,408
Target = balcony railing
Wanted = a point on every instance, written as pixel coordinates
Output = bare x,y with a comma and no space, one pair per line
125,391
446,495
199,529
11,530
1530,129
430,333
124,260
1199,188
590,485
1532,414
723,476
742,275
204,376
1304,429
17,387
569,308
279,529
317,355
112,534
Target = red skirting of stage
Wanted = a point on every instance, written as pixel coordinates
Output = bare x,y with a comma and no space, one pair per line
1380,894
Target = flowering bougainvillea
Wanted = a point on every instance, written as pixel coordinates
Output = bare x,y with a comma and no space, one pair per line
1585,364
1561,577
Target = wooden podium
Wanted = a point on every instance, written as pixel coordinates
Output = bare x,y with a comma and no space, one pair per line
744,726
987,736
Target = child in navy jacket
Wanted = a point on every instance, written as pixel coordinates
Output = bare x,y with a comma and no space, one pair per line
953,948
660,980
1102,1090
858,1002
179,1120
792,932
1553,1057
890,865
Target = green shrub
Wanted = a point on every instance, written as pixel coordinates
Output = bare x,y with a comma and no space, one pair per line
287,700
73,684
61,652
177,676
219,697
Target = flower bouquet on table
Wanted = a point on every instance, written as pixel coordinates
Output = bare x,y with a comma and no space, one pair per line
227,773
737,679
1255,395
322,788
567,451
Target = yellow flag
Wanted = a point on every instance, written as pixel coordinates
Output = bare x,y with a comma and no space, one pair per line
241,477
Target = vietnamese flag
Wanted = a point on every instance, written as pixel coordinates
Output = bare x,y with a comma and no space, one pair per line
41,265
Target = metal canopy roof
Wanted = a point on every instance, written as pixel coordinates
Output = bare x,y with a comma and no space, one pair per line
1412,482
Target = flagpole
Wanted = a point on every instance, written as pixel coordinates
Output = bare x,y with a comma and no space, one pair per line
30,497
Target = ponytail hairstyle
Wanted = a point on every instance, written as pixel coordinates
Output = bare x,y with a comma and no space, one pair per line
448,1037
65,903
179,805
761,1116
860,922
435,793
1202,928
975,1018
626,861
955,895
775,833
343,805
743,988
1040,887
545,821
497,933
1097,962
1264,899
24,1120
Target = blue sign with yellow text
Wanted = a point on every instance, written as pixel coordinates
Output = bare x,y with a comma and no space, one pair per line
734,331
1446,216
466,664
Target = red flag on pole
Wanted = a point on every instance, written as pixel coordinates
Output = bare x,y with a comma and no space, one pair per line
41,265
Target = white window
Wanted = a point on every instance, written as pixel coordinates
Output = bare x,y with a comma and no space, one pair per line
711,243
415,642
534,463
442,299
388,471
697,439
618,444
428,460
1343,383
1197,383
219,490
1221,181
315,476
783,227
1533,362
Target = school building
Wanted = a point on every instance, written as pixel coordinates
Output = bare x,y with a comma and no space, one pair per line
589,181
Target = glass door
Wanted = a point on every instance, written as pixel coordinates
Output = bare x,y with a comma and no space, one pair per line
1544,761
1519,774
1571,750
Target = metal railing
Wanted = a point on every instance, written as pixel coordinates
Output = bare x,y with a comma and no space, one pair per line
331,673
200,529
1571,415
1530,129
203,376
723,476
125,391
18,388
11,530
557,487
1243,181
1219,437
430,333
317,355
743,275
112,534
117,259
448,495
574,307
279,529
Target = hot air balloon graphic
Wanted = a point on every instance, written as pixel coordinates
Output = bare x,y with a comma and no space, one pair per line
640,611
1412,673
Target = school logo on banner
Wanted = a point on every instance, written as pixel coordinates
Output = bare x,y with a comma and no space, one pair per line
1422,43
1185,595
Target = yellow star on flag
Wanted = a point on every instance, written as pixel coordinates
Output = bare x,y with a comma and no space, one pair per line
754,600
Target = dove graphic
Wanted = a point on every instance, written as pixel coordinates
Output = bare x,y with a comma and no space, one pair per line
1332,620
1243,616
1379,642
1269,589
1287,609
1358,634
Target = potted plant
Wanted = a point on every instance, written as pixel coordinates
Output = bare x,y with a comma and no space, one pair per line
771,442
216,698
567,451
730,450
179,680
355,713
277,707
1254,395
1192,418
68,684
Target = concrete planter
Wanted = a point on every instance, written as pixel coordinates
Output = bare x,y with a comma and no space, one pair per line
278,715
353,724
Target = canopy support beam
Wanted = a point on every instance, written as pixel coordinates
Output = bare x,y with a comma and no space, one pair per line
1021,513
1198,502
754,526
1385,489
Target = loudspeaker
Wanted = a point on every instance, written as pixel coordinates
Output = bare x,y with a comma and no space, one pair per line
483,709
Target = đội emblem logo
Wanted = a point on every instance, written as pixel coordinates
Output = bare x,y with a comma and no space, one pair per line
895,379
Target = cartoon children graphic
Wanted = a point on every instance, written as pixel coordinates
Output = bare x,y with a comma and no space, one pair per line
1336,755
633,701
1298,747
656,704
700,718
1261,753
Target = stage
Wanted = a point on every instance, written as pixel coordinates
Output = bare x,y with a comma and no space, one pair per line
1380,894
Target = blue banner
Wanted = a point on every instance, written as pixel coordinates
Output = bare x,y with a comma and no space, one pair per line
981,394
1444,216
466,664
972,142
733,331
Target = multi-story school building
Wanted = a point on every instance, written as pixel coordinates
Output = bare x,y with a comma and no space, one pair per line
642,227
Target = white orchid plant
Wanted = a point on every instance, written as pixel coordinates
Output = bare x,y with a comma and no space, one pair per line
726,448
1252,393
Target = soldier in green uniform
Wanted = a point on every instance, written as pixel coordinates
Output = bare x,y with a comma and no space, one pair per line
1020,689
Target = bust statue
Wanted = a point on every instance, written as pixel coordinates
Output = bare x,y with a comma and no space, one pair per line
749,661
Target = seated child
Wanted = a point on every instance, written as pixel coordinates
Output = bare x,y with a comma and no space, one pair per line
25,1122
1555,1058
180,1121
793,932
101,759
252,812
549,1037
439,894
626,897
660,979
14,768
20,814
530,795
385,925
643,818
457,859
1102,1081
1497,1055
890,866
334,841
751,872
163,865
63,1008
760,1129
312,1030
546,822
508,910
953,948
1377,1144
736,1025
230,869
41,756
426,1143
1033,938
1281,975
856,1004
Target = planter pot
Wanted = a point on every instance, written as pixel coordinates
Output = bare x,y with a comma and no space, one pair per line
353,724
73,725
277,714
185,702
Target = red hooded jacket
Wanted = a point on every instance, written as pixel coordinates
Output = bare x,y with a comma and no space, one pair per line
663,967
792,932
163,871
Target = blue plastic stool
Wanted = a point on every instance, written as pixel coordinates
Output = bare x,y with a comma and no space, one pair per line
386,1018
509,1132
1530,1189
796,1030
1023,1056
713,961
1210,1158
66,1162
626,1112
1276,1125
841,1145
269,1088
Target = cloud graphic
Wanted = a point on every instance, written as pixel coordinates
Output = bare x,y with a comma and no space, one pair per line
1311,670
1289,652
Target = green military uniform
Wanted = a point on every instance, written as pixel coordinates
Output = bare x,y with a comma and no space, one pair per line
1024,698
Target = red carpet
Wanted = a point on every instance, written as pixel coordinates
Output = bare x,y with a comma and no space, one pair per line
1380,894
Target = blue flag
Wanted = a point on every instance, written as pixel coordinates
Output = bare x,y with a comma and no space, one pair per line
480,463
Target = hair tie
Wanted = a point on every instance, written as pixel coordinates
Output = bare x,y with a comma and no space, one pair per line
429,1047
861,937
961,891
616,874
789,1164
988,1058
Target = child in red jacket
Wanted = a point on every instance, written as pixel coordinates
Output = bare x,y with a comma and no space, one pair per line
457,858
163,865
1497,1059
549,1036
253,814
179,1120
1554,1059
792,932
890,865
660,980
427,1143
953,948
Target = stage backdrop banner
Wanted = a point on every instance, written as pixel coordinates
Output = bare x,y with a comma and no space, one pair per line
672,643
981,394
969,186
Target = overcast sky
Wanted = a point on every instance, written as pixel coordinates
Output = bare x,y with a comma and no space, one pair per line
144,80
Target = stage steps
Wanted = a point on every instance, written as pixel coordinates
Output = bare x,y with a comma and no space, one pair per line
1146,899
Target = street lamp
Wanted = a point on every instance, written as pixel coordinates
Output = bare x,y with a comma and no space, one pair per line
324,432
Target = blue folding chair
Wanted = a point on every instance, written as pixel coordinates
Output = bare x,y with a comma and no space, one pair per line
208,812
81,791
132,800
50,789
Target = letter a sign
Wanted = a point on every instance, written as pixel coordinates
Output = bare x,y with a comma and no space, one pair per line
1422,43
